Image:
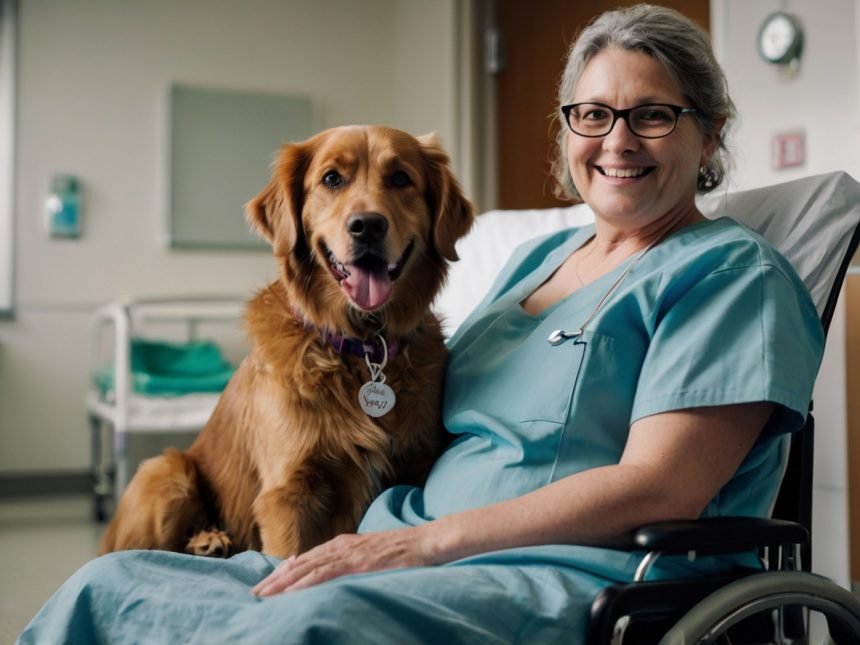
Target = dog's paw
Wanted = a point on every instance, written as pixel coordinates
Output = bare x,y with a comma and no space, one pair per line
212,543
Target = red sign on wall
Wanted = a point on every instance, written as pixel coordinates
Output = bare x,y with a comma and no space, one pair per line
788,150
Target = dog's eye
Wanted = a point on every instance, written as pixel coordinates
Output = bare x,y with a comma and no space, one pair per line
332,179
400,179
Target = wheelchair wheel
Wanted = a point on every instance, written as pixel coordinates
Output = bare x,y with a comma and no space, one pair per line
708,621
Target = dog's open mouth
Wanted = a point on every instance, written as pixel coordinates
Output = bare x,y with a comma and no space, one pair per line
368,280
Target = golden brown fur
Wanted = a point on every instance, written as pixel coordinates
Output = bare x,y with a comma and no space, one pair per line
289,459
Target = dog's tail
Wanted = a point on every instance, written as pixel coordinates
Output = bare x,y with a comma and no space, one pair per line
161,507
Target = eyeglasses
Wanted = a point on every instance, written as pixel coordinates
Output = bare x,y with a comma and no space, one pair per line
649,121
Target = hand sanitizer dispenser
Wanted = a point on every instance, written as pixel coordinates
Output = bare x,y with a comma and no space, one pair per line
63,207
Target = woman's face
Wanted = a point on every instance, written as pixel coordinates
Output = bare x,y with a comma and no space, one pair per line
628,181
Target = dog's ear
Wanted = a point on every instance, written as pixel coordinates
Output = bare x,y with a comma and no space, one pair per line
453,213
276,212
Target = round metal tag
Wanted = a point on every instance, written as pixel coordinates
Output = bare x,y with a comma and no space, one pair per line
376,399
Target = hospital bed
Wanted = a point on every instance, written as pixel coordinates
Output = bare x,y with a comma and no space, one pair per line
123,401
814,222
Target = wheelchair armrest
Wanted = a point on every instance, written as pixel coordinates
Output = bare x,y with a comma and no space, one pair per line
718,535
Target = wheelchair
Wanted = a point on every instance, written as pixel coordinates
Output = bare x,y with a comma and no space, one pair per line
775,604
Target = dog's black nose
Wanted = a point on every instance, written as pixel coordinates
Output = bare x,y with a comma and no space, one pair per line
367,227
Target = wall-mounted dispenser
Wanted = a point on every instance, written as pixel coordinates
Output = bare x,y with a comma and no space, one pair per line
63,207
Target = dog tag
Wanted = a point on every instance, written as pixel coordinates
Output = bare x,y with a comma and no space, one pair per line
376,399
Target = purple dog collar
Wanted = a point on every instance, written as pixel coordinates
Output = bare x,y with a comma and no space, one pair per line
371,348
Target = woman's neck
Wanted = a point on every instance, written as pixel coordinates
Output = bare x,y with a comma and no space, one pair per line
612,245
613,241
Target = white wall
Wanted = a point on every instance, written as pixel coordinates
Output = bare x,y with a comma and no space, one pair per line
822,99
93,76
423,83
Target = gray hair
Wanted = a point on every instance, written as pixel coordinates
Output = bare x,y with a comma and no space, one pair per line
685,51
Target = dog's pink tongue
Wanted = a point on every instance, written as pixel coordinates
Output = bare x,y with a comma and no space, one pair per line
367,290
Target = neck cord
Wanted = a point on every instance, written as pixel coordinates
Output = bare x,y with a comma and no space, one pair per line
559,335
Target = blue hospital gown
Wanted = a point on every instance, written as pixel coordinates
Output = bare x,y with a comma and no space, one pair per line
711,316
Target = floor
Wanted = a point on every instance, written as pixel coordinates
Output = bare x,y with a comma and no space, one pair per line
42,542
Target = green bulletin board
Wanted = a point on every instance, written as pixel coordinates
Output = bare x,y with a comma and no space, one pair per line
221,146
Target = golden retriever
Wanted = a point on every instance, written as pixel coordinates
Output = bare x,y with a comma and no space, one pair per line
340,394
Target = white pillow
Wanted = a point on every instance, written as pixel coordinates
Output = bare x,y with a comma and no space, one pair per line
484,251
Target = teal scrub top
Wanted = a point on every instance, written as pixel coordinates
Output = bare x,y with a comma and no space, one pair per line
711,316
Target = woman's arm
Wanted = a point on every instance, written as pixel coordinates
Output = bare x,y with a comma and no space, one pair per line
673,465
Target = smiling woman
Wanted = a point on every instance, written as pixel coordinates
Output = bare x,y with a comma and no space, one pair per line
7,148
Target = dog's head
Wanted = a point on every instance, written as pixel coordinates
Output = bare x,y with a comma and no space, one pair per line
362,221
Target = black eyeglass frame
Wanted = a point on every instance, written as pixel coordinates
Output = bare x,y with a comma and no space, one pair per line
625,116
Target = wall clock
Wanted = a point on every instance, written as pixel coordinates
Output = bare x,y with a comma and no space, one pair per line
780,38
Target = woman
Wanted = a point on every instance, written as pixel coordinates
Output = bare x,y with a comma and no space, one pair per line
623,373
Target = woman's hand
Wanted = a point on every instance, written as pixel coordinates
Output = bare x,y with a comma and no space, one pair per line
346,554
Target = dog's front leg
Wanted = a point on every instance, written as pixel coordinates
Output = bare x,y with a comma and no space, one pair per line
297,515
